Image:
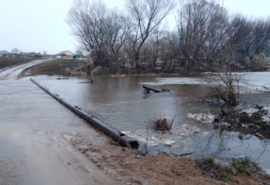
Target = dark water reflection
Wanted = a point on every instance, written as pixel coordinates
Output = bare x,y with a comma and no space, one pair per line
120,102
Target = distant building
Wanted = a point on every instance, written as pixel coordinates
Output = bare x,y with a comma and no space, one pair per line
49,56
65,54
3,53
31,55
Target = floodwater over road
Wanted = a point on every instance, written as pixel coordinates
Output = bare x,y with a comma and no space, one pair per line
35,133
120,102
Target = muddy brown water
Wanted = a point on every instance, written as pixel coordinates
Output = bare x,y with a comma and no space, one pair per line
120,102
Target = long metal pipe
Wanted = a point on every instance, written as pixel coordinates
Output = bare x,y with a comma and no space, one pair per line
118,136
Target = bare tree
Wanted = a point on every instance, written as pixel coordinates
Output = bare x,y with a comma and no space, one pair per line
117,31
249,37
261,36
85,19
147,16
138,40
205,41
202,30
240,36
100,32
160,52
15,50
227,85
170,52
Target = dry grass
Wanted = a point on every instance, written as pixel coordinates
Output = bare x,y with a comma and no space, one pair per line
97,71
237,166
9,61
162,123
259,63
58,66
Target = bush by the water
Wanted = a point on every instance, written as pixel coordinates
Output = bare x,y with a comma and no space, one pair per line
162,123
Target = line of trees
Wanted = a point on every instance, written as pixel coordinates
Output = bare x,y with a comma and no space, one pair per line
137,40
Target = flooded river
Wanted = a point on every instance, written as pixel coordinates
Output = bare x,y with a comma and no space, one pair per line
120,102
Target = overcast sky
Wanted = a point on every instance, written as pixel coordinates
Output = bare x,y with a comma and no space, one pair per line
39,25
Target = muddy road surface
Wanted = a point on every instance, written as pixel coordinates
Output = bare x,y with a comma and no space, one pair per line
13,72
34,137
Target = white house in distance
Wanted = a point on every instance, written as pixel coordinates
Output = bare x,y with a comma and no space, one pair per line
65,54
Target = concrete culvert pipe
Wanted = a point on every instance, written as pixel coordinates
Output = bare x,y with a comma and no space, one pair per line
129,142
121,138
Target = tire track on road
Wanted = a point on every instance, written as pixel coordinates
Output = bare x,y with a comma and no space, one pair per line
12,73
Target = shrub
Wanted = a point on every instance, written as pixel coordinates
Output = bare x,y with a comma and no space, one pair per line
97,71
259,62
162,123
226,86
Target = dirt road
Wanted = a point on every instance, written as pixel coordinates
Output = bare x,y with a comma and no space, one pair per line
34,137
12,73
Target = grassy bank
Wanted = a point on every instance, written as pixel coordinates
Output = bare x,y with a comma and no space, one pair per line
6,62
57,66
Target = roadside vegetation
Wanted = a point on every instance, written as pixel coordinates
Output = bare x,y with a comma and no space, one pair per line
59,66
9,61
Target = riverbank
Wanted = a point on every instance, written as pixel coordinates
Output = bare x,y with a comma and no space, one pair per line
79,68
251,121
56,67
